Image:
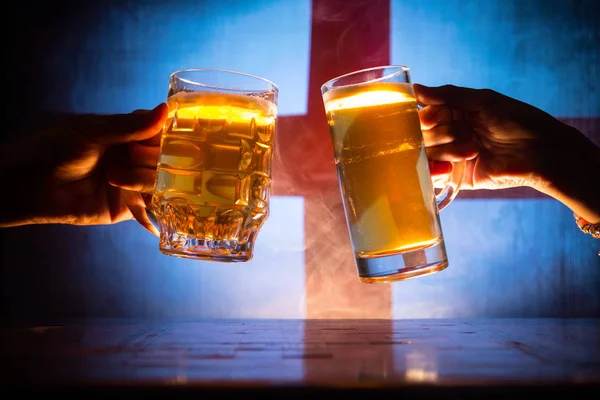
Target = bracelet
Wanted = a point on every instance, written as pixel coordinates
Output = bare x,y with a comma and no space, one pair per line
587,227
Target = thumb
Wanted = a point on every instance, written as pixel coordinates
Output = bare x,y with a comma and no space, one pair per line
122,128
463,98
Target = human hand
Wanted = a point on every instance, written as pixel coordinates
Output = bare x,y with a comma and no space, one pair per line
508,143
504,140
86,170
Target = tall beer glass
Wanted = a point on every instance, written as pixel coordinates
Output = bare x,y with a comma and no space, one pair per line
390,203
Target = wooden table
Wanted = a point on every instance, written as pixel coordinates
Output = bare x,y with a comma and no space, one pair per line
428,357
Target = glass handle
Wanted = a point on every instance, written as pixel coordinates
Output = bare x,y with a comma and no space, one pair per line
449,187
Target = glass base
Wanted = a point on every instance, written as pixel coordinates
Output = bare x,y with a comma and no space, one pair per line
205,250
403,266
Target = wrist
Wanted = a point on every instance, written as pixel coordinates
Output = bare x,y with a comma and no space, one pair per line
24,178
569,172
588,227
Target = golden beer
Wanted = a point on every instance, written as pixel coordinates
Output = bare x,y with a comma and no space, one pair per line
214,174
383,169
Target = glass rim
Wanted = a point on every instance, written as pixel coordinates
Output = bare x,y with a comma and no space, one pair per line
177,73
399,69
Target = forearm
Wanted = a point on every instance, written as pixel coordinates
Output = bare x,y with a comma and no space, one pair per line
573,177
19,179
25,163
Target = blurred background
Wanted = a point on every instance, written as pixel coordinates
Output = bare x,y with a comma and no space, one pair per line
512,253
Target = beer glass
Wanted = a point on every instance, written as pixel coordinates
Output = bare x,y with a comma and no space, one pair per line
390,202
211,195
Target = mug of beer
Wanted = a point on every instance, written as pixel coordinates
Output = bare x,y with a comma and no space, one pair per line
389,198
211,195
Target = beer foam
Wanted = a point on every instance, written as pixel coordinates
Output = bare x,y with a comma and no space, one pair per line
368,99
225,112
227,106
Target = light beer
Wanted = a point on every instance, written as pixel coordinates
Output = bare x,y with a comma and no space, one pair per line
213,179
383,169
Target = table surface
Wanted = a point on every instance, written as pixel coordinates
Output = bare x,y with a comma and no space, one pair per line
305,354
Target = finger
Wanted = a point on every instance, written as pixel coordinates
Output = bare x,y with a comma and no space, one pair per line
456,151
432,116
138,209
154,140
136,179
143,156
439,135
121,128
464,98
